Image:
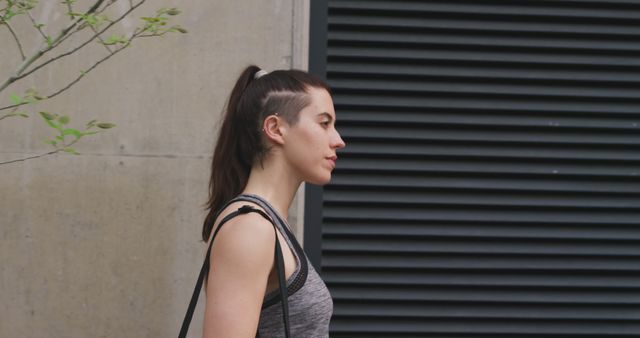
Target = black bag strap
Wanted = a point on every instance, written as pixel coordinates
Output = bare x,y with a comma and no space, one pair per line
205,269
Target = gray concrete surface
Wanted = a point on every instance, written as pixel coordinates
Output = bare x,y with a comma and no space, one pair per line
106,244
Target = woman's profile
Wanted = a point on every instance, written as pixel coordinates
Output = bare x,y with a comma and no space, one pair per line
278,131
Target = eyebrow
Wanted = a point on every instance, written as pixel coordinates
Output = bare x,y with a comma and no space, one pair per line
326,115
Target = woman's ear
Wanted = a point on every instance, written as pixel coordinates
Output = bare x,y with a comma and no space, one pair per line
274,129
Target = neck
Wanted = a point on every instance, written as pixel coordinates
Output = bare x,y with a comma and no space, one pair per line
275,183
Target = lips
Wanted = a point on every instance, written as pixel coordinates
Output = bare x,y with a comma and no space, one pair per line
333,160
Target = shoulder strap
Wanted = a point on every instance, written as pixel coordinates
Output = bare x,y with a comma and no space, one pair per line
205,268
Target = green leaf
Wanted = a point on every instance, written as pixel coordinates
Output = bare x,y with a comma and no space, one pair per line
64,119
49,41
173,11
90,132
47,116
91,123
70,150
17,114
49,119
178,29
69,131
9,14
115,38
106,125
149,19
15,99
60,138
51,142
91,19
52,124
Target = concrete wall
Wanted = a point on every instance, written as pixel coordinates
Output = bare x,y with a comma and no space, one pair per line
106,244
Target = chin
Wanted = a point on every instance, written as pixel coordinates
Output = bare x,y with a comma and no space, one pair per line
319,180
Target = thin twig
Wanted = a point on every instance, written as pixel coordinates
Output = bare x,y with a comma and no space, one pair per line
31,157
15,37
65,32
105,7
37,26
41,155
87,71
101,40
20,76
26,63
93,9
69,6
125,45
9,114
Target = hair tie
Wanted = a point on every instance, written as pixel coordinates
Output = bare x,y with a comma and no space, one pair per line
260,74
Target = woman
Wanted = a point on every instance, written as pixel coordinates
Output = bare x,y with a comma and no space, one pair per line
278,131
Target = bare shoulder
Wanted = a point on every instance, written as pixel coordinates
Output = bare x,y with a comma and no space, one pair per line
244,235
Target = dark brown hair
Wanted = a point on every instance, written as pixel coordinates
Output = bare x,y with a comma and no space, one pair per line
240,141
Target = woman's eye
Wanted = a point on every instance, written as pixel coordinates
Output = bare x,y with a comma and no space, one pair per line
325,123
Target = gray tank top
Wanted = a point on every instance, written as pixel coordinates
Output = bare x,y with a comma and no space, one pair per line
310,303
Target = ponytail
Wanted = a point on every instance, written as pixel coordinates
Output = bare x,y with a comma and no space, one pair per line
240,142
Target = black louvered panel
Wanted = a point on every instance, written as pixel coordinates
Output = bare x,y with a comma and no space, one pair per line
491,182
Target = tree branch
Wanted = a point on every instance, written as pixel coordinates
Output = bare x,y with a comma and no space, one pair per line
88,70
101,40
19,75
43,50
93,9
9,114
31,157
41,155
15,37
105,7
125,45
35,24
69,8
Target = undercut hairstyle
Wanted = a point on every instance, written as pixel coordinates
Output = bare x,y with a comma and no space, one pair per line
240,142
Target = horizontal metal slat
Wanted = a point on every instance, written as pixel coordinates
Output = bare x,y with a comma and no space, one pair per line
518,9
487,150
432,294
426,246
410,188
594,172
380,101
480,261
478,25
474,229
473,310
436,40
514,327
470,278
486,214
480,71
548,135
504,202
443,118
406,87
467,54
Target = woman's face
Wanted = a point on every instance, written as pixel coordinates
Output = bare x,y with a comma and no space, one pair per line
310,144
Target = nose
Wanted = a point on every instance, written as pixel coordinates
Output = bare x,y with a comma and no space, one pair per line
337,141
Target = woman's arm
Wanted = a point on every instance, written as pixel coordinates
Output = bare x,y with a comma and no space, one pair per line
241,260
